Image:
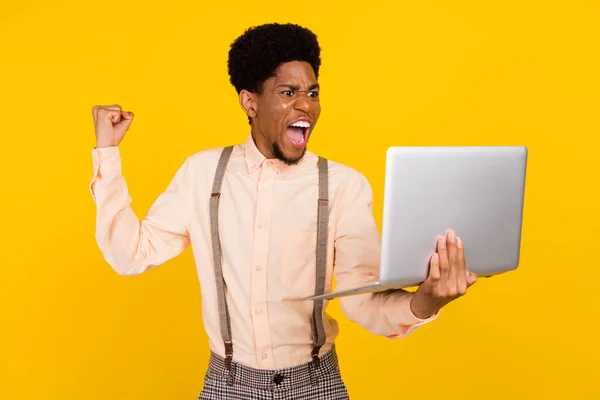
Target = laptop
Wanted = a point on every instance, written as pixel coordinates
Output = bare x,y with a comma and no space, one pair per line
476,190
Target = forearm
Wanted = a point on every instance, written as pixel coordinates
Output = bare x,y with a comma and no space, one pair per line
119,233
423,307
128,245
386,313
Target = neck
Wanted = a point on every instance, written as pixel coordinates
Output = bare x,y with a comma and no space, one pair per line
261,144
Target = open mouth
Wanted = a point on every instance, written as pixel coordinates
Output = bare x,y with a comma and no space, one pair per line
298,133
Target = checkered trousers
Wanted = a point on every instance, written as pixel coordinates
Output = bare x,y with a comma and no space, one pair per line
304,382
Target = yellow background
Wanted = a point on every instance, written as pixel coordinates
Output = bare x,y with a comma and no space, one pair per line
395,73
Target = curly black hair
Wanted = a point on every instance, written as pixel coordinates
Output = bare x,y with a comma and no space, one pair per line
256,55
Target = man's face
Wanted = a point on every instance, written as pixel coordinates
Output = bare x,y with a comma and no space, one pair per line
287,112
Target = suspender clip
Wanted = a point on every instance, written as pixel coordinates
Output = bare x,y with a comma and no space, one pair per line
228,354
315,356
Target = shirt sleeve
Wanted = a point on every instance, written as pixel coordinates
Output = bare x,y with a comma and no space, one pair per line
356,263
129,245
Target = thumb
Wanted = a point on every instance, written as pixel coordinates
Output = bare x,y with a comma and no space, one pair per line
124,123
434,267
126,115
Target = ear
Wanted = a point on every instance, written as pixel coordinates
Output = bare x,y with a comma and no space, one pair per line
249,103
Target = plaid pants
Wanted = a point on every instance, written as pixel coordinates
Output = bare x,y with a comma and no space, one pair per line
303,382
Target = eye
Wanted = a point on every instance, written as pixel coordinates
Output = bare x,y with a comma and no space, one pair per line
288,93
314,94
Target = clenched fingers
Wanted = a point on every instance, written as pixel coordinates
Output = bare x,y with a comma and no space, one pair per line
111,111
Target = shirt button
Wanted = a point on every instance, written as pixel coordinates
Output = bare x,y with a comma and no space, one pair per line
263,356
265,185
259,226
258,267
258,311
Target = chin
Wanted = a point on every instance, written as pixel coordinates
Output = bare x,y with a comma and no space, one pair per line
289,156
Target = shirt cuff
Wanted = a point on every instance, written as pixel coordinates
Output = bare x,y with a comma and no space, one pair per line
106,164
107,161
406,321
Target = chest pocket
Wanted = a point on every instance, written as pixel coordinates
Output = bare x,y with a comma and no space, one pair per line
298,266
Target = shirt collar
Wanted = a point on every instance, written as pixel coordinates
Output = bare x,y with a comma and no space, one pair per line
255,159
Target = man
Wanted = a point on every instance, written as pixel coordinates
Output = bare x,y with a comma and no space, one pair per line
270,224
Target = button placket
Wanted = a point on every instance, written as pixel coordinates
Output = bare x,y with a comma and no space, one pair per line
258,301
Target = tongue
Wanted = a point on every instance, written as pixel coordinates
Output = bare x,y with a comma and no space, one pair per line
295,134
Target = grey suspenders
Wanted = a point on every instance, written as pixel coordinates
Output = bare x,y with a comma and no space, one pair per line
224,320
318,328
322,222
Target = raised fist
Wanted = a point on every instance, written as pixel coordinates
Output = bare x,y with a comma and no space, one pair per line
111,123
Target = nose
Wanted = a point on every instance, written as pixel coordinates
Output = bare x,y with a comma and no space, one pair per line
303,103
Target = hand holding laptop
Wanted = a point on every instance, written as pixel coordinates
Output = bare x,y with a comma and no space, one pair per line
448,278
477,190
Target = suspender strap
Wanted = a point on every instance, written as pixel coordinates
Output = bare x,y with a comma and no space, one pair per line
318,327
224,319
321,264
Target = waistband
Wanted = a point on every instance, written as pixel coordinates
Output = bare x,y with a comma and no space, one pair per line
286,378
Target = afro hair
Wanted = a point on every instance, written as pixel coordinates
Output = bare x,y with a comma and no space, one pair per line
256,55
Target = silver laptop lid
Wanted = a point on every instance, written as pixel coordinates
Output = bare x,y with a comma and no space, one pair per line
478,191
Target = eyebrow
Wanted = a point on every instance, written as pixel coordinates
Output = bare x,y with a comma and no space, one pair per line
294,87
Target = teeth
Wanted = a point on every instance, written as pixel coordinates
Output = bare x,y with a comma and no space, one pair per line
301,124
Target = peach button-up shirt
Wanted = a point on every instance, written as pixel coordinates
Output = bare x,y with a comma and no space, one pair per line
268,227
